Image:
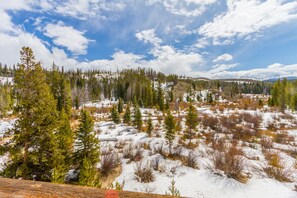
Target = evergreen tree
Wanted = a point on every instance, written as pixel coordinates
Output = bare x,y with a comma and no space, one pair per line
115,115
150,126
127,115
5,100
138,118
170,129
65,138
160,97
294,102
86,143
191,120
149,98
172,190
89,175
120,105
76,102
33,144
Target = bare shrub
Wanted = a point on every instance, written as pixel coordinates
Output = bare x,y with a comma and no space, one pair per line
160,150
284,138
176,152
255,119
155,163
191,160
144,173
271,126
231,164
266,143
280,174
134,153
210,121
274,168
218,144
229,122
108,163
243,133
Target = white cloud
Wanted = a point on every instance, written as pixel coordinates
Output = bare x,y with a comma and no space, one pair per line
244,18
272,71
187,8
67,36
86,9
223,57
148,36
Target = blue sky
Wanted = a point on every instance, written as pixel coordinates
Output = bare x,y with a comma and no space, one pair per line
208,38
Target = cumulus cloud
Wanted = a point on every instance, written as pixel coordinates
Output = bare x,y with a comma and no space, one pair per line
187,8
67,36
272,71
244,18
148,36
223,57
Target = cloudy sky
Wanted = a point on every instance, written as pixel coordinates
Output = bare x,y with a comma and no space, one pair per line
208,38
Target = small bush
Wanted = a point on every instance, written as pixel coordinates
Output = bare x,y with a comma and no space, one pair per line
144,173
108,163
229,122
243,133
280,174
266,143
218,144
160,150
191,160
134,153
284,138
255,119
176,152
275,168
210,121
230,163
155,163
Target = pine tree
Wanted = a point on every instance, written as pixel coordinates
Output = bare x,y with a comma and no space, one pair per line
172,190
149,98
138,118
115,115
86,143
150,126
89,175
33,144
60,168
170,129
160,97
76,102
191,120
65,138
120,105
294,102
127,115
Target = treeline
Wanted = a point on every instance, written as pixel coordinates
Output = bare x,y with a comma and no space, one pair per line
284,94
6,71
141,87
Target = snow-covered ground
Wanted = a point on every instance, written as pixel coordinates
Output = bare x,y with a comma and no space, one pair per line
189,181
199,181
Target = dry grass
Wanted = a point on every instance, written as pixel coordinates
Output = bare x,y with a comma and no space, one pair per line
275,168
